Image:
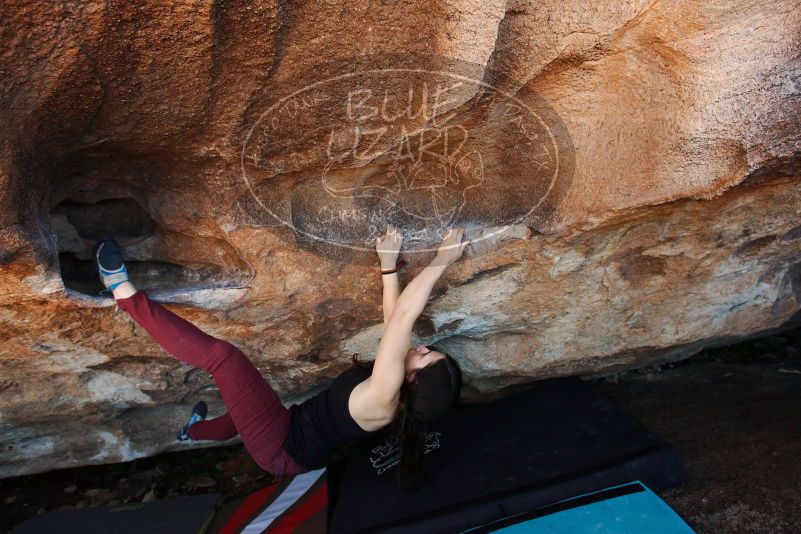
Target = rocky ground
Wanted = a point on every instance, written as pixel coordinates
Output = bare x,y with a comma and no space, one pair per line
735,415
733,412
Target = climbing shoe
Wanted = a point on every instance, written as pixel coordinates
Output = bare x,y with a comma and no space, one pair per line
110,267
198,414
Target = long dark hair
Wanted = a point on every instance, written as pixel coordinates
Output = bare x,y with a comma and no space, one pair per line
428,396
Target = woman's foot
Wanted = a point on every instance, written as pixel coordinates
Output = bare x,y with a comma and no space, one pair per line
198,414
110,267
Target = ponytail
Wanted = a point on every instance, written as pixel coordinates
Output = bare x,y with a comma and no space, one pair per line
424,400
411,435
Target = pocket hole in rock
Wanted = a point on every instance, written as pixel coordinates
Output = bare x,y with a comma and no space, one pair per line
147,247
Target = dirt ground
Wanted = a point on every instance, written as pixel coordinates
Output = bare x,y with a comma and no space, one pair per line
734,413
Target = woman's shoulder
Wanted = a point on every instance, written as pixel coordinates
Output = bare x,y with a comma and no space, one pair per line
369,414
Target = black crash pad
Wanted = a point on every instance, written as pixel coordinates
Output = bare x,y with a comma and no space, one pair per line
180,515
558,439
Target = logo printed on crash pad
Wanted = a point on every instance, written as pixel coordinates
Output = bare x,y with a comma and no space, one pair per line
387,456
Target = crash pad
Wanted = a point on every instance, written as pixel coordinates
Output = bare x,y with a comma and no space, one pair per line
550,442
624,509
179,515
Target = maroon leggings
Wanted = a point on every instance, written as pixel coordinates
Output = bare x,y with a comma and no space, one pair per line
254,410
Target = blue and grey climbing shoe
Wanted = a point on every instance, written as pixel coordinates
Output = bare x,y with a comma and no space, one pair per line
110,267
198,414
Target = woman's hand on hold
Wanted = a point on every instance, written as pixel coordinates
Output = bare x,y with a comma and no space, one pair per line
451,247
388,247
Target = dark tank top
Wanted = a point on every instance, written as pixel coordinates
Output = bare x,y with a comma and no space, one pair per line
322,424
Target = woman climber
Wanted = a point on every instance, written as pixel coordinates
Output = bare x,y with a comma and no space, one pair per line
408,387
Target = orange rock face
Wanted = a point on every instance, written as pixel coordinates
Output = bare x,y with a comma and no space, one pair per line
628,173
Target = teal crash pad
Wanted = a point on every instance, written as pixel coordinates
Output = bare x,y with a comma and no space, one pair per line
625,509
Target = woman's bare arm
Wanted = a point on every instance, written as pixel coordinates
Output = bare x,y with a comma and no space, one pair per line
389,370
390,295
388,247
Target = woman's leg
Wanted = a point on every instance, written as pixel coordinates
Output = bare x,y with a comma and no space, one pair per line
253,406
218,429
